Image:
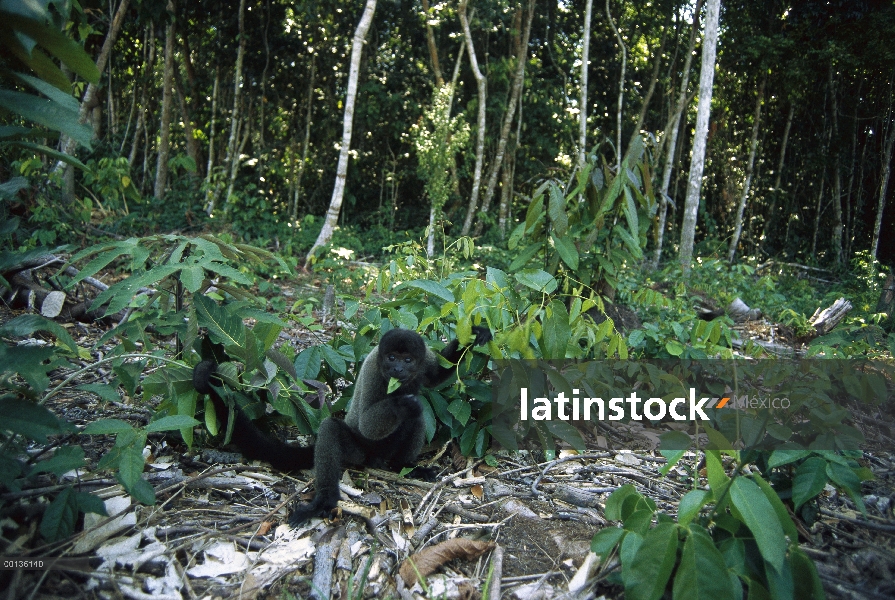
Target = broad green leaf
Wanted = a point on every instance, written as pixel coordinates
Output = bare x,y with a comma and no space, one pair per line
106,427
646,577
393,384
334,360
525,255
31,420
784,456
430,287
48,113
172,423
307,363
845,477
567,251
226,327
556,332
690,505
538,280
789,528
24,325
192,277
107,392
65,459
759,516
130,466
557,210
805,576
461,410
810,479
56,43
60,517
606,540
702,573
615,501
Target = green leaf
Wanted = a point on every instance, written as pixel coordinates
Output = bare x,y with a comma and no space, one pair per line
461,410
172,423
557,210
759,516
616,500
48,113
130,466
702,573
430,287
63,99
538,280
88,503
307,363
674,347
805,576
526,255
393,384
334,360
192,277
221,324
810,479
556,332
60,517
785,456
56,43
65,459
845,477
567,251
606,540
24,325
690,505
31,420
789,528
646,577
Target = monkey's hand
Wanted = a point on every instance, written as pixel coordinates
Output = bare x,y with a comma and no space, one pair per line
482,335
407,407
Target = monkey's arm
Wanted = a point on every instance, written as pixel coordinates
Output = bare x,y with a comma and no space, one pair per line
435,372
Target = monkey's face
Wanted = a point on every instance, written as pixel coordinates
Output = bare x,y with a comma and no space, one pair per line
400,365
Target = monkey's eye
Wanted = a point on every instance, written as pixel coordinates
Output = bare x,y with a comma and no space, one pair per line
391,357
408,360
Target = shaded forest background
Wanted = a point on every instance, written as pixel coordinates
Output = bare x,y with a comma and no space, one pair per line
191,130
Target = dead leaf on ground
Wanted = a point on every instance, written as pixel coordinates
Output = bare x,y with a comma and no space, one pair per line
428,560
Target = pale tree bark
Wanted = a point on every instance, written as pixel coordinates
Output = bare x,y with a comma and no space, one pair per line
482,86
750,166
161,166
433,50
306,142
670,139
697,160
837,175
518,79
232,155
335,205
883,188
582,105
621,90
66,144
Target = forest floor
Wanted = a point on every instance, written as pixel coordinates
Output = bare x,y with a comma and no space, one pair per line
219,526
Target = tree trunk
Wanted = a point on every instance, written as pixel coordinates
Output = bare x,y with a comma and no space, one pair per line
211,136
671,138
192,144
433,50
585,62
883,188
515,93
482,85
817,211
67,145
775,191
837,176
697,161
654,79
335,205
149,45
161,167
621,90
306,142
232,156
750,166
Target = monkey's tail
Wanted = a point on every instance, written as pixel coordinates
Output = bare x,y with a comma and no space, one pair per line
253,444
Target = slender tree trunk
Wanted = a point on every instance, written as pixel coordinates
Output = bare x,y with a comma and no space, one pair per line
697,161
482,86
883,188
245,130
671,138
192,144
654,79
518,79
209,193
582,107
850,212
148,62
778,174
67,145
621,90
750,166
306,142
837,175
161,167
433,50
335,205
232,156
264,72
817,211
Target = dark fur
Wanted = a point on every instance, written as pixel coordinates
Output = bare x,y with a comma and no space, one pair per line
381,430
